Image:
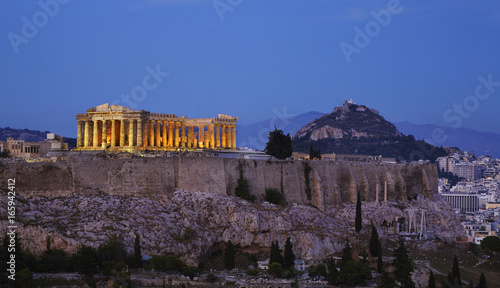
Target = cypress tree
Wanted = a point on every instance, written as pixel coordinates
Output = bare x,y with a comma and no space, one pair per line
374,242
380,263
357,222
275,256
137,252
432,281
289,260
482,282
346,254
229,256
455,272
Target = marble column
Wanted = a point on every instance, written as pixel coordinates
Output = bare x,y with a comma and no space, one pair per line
95,137
206,139
113,133
193,138
104,135
217,136
170,134
224,136
158,129
212,136
164,134
79,142
176,134
151,133
233,138
139,133
189,137
131,136
86,135
201,136
183,134
122,133
229,136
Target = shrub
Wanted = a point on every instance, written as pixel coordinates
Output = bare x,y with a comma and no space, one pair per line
274,196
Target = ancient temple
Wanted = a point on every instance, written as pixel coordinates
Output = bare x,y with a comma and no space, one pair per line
118,128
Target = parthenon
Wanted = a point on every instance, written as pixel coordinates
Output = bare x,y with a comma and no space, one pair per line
118,128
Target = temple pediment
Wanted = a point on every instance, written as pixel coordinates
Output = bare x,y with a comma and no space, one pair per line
109,108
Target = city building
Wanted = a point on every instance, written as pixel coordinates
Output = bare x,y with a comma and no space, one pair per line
462,201
118,128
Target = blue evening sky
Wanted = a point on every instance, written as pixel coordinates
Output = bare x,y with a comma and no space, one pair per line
250,58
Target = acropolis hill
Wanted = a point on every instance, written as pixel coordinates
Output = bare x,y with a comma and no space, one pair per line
86,198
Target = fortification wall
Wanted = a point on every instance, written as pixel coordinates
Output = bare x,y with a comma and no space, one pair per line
323,184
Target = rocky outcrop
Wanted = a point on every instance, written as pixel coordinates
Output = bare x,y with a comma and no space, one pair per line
162,222
348,121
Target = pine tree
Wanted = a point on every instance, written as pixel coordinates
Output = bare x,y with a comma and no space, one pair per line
137,252
386,281
403,265
279,144
432,281
374,242
289,260
482,282
229,256
455,272
358,222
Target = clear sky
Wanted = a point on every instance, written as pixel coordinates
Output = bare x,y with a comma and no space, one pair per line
414,60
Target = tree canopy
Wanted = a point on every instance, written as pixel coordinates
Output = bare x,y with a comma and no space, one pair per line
279,144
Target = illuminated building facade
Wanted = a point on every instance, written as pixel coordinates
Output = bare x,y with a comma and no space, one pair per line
118,128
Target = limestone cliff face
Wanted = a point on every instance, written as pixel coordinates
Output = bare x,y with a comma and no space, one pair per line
324,184
90,219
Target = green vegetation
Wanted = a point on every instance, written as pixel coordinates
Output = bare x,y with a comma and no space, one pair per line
137,252
289,259
274,196
432,281
5,154
187,235
275,269
279,144
317,271
452,178
403,265
313,154
491,245
252,272
403,148
242,190
275,256
374,243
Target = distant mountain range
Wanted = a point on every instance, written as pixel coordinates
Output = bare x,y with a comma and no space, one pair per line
255,135
479,143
